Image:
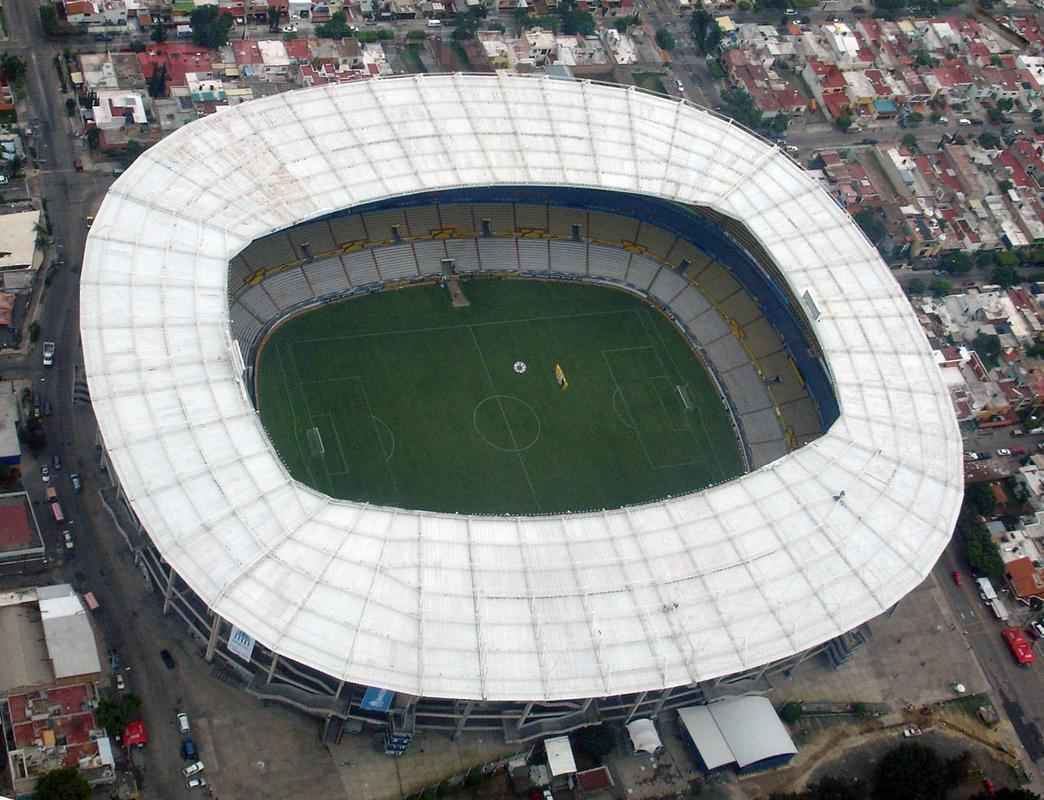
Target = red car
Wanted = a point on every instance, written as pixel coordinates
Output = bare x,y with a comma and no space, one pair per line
78,165
1018,451
957,577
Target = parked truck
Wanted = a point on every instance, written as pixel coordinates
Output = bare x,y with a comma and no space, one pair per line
48,354
1021,649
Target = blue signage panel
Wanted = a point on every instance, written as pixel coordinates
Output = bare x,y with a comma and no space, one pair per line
377,699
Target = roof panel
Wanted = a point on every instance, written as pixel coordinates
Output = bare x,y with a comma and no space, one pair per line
455,606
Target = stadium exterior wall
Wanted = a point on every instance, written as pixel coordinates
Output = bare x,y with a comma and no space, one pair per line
778,562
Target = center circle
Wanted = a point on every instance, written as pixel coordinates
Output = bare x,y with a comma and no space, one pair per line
506,423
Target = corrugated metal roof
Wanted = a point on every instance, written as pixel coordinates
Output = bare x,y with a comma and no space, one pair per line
493,607
740,730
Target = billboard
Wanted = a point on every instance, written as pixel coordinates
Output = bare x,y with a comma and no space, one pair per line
240,644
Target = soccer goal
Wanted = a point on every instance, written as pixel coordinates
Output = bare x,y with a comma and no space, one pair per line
683,393
315,442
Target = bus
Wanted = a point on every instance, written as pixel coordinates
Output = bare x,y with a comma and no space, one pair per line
56,512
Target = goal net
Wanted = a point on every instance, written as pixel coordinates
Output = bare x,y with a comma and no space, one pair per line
315,442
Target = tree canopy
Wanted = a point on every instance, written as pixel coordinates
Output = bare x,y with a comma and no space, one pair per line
703,28
912,771
62,784
210,26
873,225
665,39
336,28
113,715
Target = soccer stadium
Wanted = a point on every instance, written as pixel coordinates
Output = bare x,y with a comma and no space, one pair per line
507,403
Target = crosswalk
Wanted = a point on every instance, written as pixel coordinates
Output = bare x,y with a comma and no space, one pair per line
81,395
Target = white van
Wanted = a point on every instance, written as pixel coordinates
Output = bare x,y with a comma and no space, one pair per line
964,121
434,23
183,724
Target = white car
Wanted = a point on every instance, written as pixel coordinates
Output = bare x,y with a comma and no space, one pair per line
68,537
680,87
120,683
192,769
289,29
196,783
45,473
1004,451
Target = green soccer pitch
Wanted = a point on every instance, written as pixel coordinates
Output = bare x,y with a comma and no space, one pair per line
399,399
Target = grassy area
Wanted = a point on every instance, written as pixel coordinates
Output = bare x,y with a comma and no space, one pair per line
398,398
649,80
411,58
8,116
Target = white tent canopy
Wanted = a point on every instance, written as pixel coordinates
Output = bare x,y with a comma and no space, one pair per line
740,730
560,756
644,737
500,608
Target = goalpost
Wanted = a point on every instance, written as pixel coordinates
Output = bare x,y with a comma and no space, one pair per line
683,393
315,442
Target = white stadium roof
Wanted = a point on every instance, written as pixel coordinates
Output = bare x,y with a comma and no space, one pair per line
504,608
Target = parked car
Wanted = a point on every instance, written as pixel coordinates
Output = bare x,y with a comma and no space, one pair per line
1018,451
74,479
1016,432
114,661
78,165
1003,451
289,29
56,462
188,749
45,473
168,659
121,684
193,768
957,577
1038,629
196,782
913,730
67,537
183,724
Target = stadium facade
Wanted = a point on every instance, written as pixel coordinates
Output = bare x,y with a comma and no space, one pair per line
528,625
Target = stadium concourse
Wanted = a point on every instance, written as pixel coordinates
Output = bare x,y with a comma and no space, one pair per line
536,624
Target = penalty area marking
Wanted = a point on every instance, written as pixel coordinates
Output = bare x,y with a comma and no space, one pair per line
391,451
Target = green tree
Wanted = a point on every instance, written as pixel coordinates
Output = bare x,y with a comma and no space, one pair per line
873,225
843,123
665,39
703,28
1007,258
910,142
915,287
93,137
70,106
113,715
790,713
12,68
210,26
49,19
979,499
941,287
1004,276
912,771
274,16
575,21
988,347
622,24
957,262
62,784
989,140
336,28
984,259
159,32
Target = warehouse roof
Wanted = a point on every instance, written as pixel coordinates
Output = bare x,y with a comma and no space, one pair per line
449,605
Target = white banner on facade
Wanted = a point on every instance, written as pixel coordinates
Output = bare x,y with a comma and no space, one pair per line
241,644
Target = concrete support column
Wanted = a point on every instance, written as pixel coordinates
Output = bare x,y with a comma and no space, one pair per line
215,629
340,687
463,720
636,706
168,591
272,668
663,699
525,714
